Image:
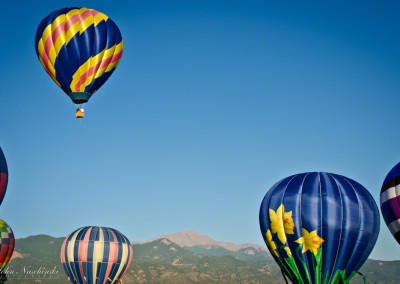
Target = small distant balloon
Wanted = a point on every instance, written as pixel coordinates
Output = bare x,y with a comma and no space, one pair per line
79,48
3,175
7,243
390,201
319,227
96,255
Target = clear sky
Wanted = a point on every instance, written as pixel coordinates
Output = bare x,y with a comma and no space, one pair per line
212,103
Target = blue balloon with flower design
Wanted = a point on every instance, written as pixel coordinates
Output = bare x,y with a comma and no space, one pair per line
319,227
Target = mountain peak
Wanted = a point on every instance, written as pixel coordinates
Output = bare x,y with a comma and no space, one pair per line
191,239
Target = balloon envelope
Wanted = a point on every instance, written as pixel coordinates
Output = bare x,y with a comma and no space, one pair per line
91,253
390,201
79,48
3,175
319,227
7,243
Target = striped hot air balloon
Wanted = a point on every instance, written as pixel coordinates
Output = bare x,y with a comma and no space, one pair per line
3,176
390,201
96,255
319,227
79,48
7,243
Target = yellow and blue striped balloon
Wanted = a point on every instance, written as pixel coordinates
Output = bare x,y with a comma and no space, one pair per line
79,48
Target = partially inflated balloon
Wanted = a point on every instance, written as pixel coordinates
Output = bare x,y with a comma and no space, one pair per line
390,201
96,255
79,48
319,227
3,176
7,243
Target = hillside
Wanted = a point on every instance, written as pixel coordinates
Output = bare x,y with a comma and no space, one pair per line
36,260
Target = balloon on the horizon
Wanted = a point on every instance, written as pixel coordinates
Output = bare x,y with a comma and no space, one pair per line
7,244
3,175
390,201
79,48
96,255
319,227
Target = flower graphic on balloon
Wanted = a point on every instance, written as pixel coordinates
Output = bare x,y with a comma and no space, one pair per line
289,253
281,223
311,241
270,243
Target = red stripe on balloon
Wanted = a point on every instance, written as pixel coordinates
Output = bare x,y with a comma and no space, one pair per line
3,252
63,249
112,256
81,269
71,21
53,37
129,261
3,182
92,70
83,246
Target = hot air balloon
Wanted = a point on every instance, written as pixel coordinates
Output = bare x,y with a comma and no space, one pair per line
79,48
7,244
319,227
3,176
390,201
96,255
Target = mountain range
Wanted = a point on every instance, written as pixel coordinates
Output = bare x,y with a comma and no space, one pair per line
186,257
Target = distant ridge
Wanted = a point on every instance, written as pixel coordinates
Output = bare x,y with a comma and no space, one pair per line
164,261
192,239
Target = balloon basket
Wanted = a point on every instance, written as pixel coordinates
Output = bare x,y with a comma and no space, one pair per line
80,112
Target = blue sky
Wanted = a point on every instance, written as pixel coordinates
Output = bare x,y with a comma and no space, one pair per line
212,103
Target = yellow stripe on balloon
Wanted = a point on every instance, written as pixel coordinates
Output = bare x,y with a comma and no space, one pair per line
84,67
100,17
109,53
118,49
93,61
74,29
51,76
98,252
85,24
60,40
45,35
124,260
70,249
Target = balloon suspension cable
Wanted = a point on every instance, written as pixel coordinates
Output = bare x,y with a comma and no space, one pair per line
284,276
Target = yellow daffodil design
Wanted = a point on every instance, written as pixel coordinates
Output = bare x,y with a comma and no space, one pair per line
289,253
270,243
311,241
288,222
281,223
